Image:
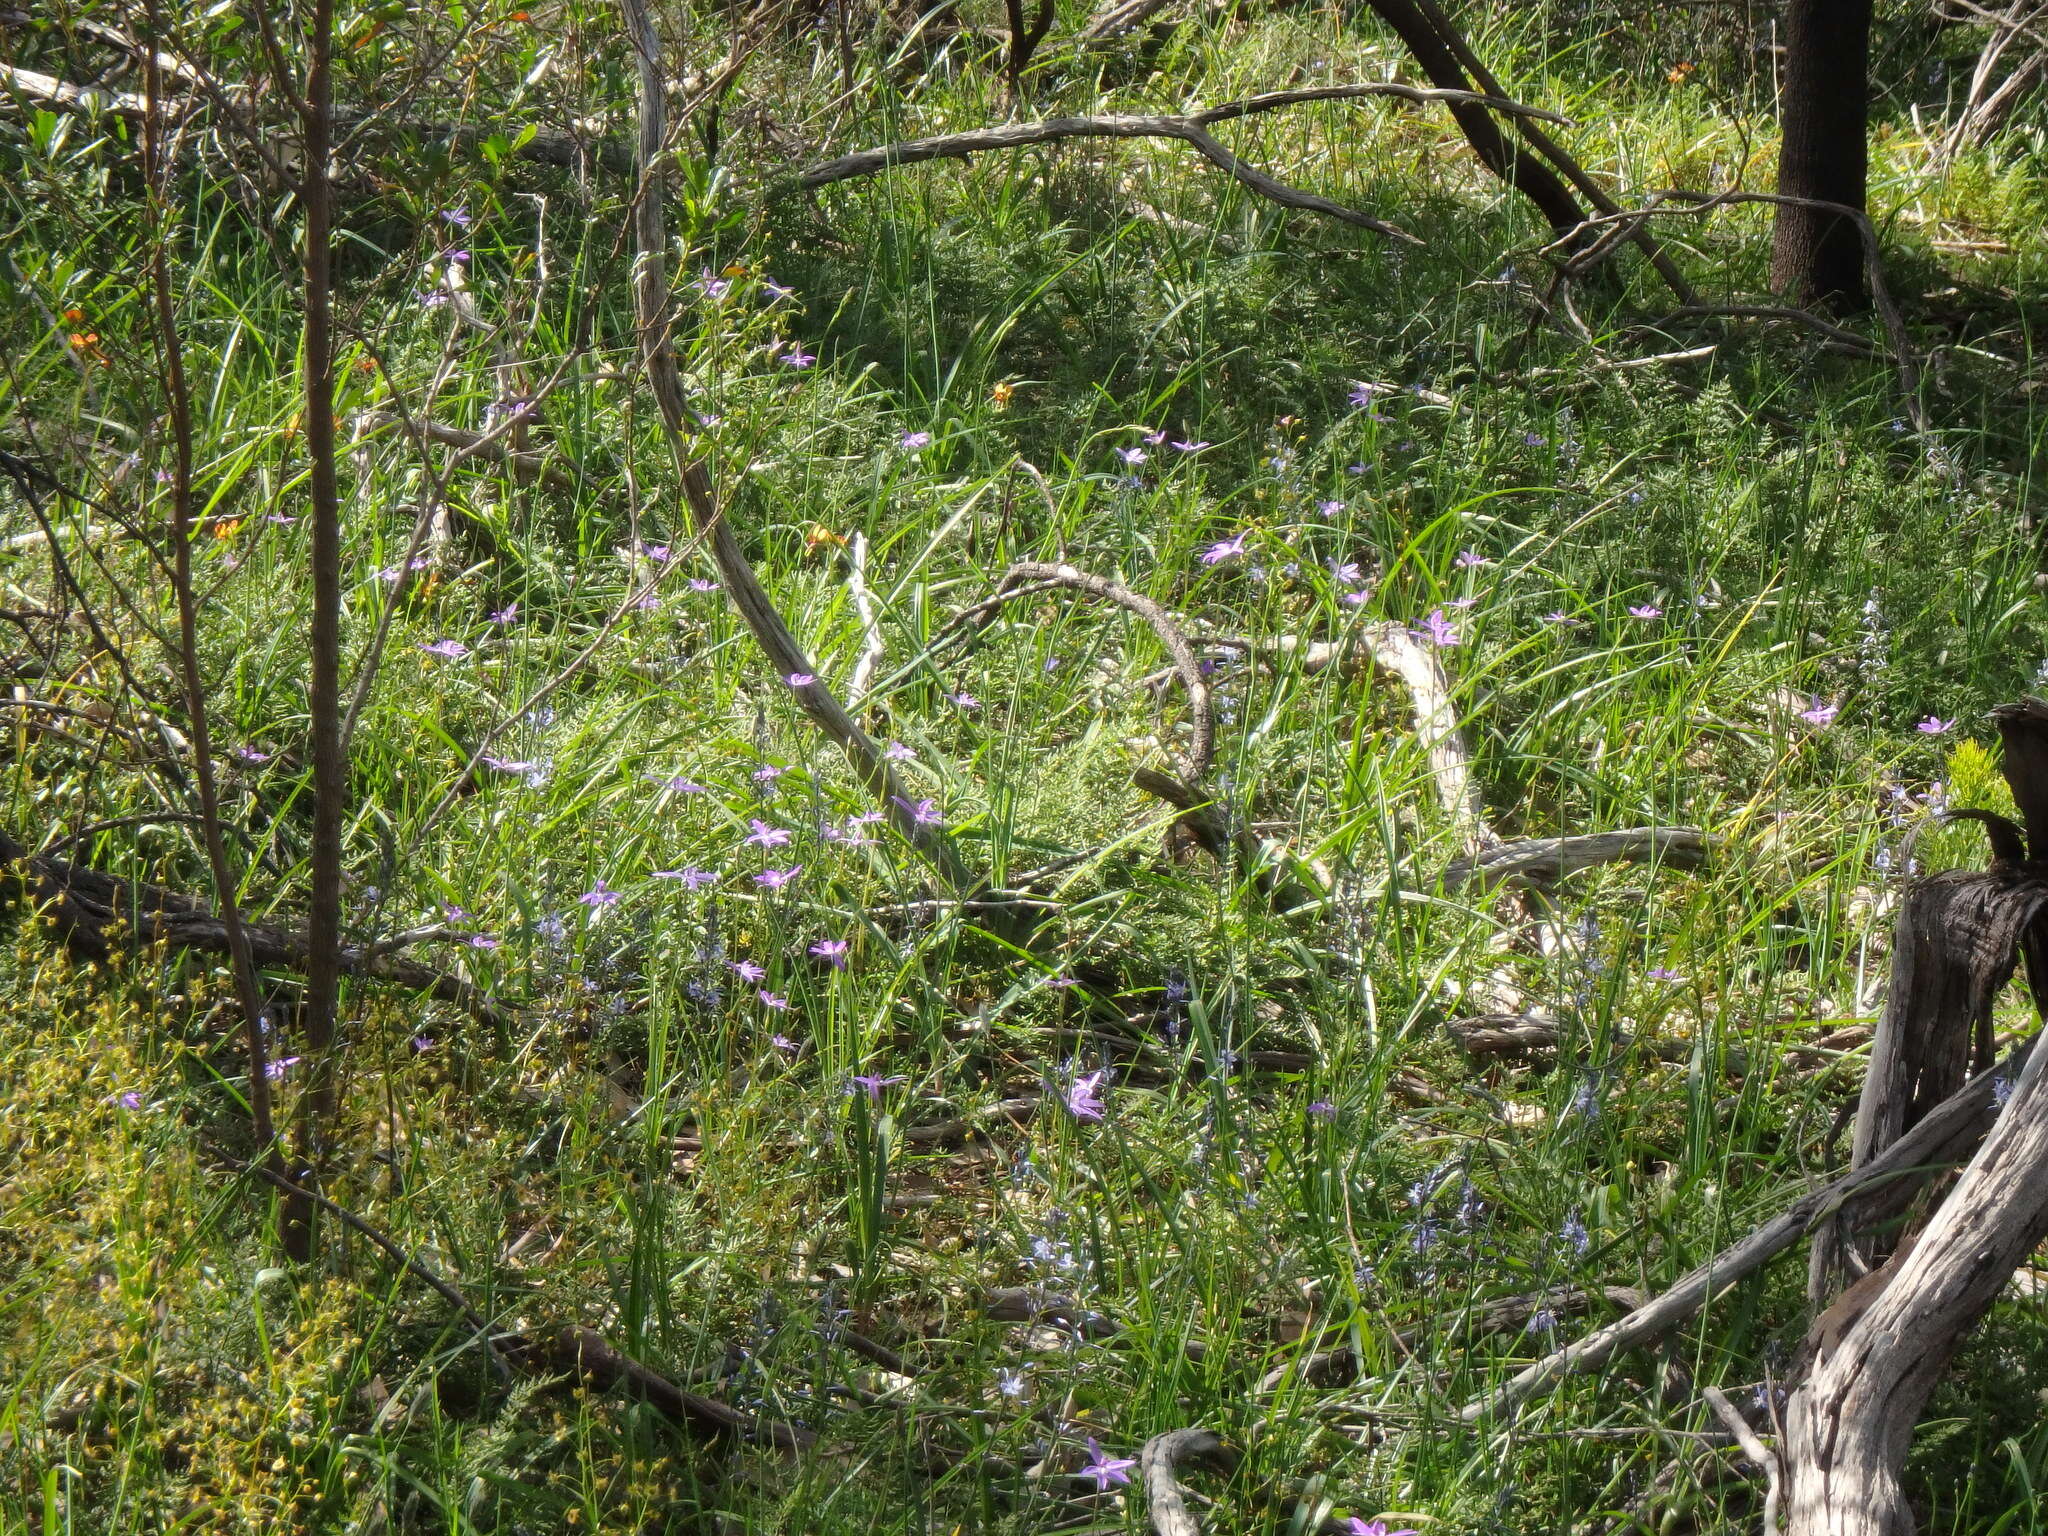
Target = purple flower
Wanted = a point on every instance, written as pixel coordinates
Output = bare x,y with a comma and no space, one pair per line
1107,1471
1559,617
1132,456
963,700
800,679
912,441
783,1043
833,950
282,519
702,584
771,1000
1322,1109
1437,630
1358,1527
693,877
1154,439
747,970
1224,549
712,287
1575,1235
1659,973
896,752
875,1084
1820,715
510,764
459,217
1362,395
599,895
483,941
1329,508
797,357
1534,439
677,783
276,1070
1645,611
423,1043
1191,447
1061,982
250,754
129,1100
459,257
1934,725
1470,559
1083,1101
1011,1383
925,813
451,650
506,614
768,773
765,835
776,879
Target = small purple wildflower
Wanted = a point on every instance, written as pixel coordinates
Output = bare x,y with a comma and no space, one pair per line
765,835
1322,1109
797,357
506,614
599,895
896,752
1934,725
129,1100
874,1084
450,650
776,879
783,1043
1362,394
1224,549
276,1070
702,584
250,754
1470,559
458,216
963,700
1011,1383
924,813
768,773
1083,1100
1132,456
1659,973
690,875
1107,1471
1329,508
1820,715
747,970
1358,1527
833,950
677,784
1575,1235
912,441
772,1000
800,679
1438,630
1645,611
1191,447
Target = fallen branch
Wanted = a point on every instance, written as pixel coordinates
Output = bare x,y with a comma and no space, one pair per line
1393,649
94,911
1188,130
583,1354
870,624
1543,861
1946,1136
1752,1447
527,468
1158,1465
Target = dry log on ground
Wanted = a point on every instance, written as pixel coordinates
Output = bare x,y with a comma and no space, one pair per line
96,913
1158,1465
1543,861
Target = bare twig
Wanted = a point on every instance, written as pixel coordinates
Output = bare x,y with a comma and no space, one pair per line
870,623
1753,1447
1546,860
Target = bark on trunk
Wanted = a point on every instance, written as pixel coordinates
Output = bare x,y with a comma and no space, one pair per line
1817,256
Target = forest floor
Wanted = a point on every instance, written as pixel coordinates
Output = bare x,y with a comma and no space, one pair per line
983,1206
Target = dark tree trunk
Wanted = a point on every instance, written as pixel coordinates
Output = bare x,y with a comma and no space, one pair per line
1501,155
1817,256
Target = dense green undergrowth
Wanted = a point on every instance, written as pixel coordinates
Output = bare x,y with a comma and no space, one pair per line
1736,593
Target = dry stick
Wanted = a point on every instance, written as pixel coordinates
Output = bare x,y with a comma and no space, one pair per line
527,468
1945,1136
756,610
1753,1448
1393,649
242,964
1156,1465
1637,233
871,627
1849,1426
1545,860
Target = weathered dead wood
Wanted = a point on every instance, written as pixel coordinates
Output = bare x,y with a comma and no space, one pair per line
1849,1426
1158,1465
1392,648
584,1354
1506,1034
1947,1136
1543,861
742,585
1188,130
97,912
1753,1447
526,468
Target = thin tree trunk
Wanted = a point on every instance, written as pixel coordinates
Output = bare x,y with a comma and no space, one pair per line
1507,160
330,768
1817,256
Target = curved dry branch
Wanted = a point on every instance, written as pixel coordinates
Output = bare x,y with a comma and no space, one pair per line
1393,649
1543,861
1189,130
1158,1464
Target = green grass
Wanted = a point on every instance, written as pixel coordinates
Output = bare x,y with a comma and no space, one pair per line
637,1154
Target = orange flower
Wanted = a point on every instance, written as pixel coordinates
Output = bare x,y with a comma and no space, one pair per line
75,316
227,530
820,534
1676,73
1000,396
